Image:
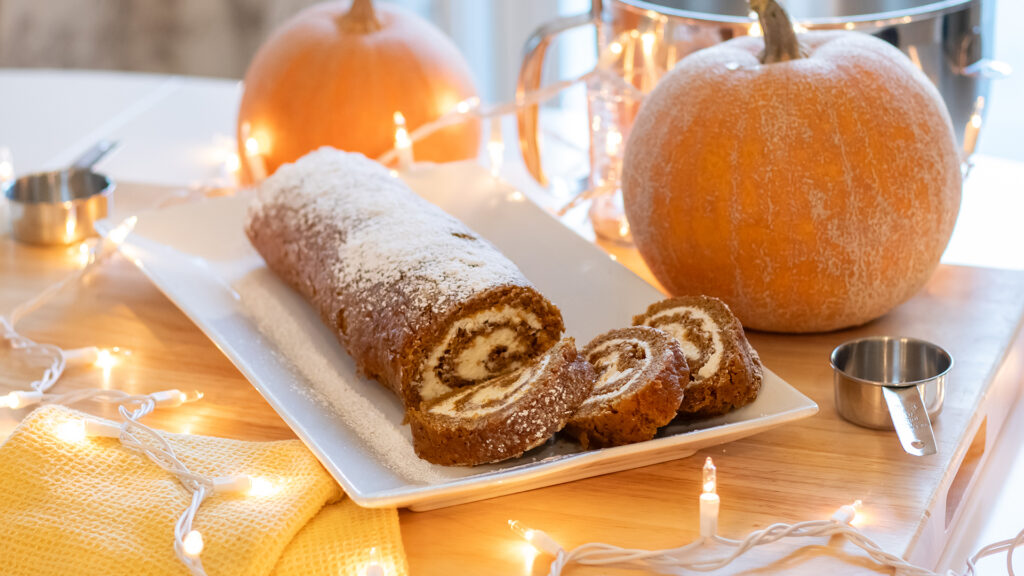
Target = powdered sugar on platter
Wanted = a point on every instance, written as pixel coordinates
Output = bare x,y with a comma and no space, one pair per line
293,340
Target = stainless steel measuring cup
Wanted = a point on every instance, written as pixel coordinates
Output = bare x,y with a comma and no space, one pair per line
59,207
890,383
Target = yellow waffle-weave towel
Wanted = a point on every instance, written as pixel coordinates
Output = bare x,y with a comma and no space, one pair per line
95,508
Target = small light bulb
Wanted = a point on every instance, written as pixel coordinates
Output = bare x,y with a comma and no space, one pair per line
647,41
524,532
374,567
193,544
261,487
105,359
252,146
21,398
6,165
710,477
84,254
71,431
615,48
232,163
495,147
466,105
402,140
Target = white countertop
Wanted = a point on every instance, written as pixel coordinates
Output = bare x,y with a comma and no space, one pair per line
177,131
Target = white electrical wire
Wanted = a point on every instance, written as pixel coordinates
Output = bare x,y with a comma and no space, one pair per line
472,108
57,356
675,560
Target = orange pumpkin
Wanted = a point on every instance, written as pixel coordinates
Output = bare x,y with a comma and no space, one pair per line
335,75
811,182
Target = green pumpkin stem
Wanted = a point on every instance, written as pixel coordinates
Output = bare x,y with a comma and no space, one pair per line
780,43
361,18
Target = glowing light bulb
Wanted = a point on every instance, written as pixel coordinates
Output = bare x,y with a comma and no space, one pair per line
20,399
374,567
495,147
647,41
6,165
84,254
613,141
403,144
539,540
71,431
193,544
232,163
260,487
252,146
615,48
466,105
105,359
709,477
524,532
709,501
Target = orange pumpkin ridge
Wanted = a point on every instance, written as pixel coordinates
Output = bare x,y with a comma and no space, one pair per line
335,74
811,194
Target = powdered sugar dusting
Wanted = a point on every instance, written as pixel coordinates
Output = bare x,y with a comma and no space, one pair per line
381,242
294,340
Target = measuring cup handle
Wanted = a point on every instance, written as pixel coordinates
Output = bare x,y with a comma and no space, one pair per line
910,418
529,81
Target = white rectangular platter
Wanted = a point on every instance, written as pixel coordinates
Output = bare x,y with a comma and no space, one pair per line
198,255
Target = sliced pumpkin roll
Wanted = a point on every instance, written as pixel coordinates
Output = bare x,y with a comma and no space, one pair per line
725,372
641,374
503,417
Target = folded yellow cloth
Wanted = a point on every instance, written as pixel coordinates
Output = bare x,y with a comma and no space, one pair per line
95,507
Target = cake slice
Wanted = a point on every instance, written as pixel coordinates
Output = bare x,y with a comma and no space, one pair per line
505,416
641,374
725,372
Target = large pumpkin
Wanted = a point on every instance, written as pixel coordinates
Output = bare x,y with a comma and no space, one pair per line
812,185
335,75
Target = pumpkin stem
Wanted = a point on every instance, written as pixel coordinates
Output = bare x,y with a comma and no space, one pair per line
780,43
361,18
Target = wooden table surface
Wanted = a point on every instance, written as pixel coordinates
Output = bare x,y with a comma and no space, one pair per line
801,471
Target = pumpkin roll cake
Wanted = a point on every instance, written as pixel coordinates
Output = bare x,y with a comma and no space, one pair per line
725,372
423,304
505,416
641,375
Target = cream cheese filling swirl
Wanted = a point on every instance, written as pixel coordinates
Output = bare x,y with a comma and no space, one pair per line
490,397
479,347
620,364
699,336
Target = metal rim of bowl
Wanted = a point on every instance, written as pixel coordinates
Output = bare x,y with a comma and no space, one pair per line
904,16
8,188
908,339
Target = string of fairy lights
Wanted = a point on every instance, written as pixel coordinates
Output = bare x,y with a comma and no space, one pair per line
689,557
188,543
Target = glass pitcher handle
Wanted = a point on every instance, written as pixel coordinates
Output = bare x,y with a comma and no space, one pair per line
529,80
